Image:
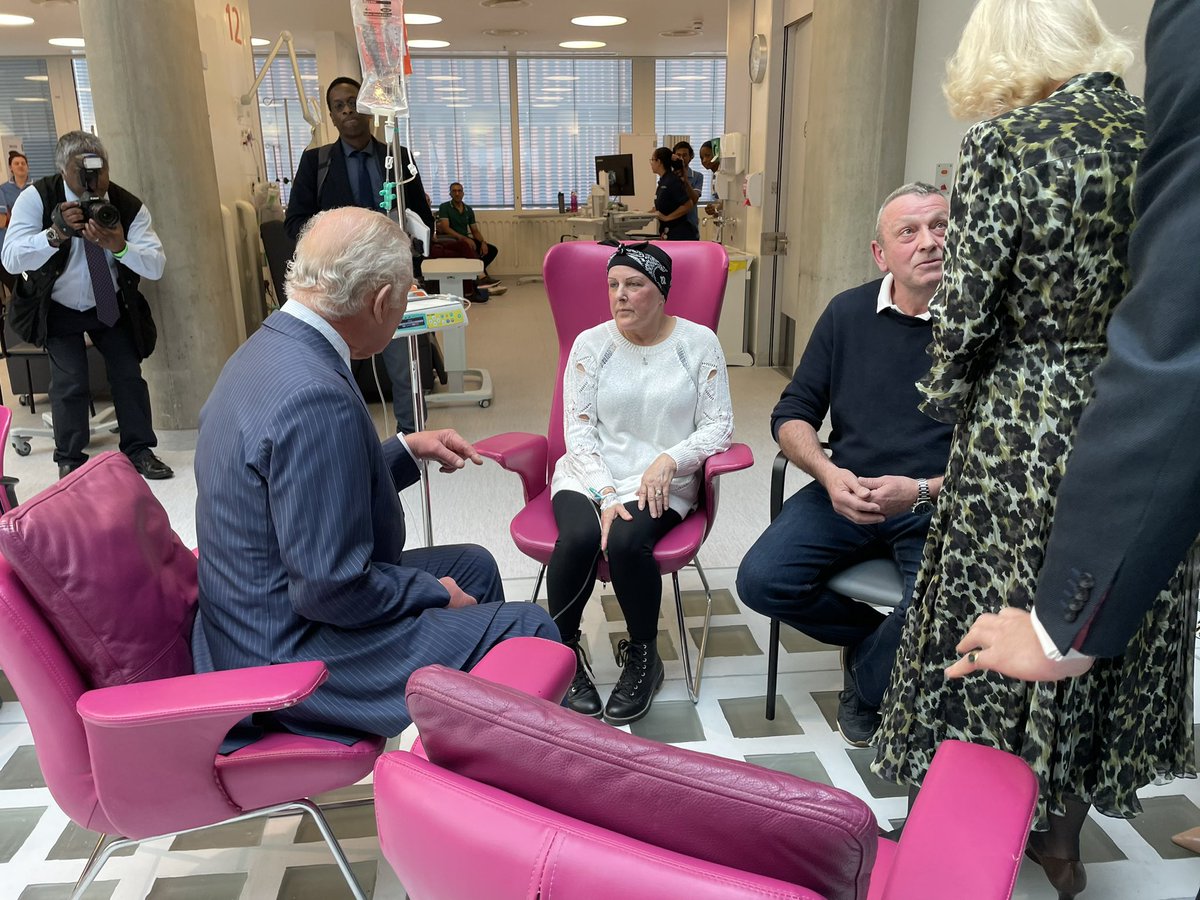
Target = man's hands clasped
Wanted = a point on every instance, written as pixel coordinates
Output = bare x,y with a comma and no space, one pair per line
869,501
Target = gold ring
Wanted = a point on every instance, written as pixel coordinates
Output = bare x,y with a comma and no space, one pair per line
973,656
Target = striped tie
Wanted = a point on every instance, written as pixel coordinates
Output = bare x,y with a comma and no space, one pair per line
102,284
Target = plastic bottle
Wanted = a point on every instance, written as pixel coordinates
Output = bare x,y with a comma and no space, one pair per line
562,202
574,201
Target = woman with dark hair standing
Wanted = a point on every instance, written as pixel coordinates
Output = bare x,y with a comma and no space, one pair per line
18,167
672,200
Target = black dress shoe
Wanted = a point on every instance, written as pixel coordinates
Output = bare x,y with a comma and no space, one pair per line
65,469
151,467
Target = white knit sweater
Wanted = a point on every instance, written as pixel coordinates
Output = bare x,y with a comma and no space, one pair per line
623,405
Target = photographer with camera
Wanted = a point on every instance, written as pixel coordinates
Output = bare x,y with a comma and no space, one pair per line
672,199
83,244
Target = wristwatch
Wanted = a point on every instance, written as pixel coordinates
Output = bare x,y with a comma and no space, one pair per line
924,504
54,237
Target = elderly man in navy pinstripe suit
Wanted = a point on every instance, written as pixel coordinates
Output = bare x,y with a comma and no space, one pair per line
300,528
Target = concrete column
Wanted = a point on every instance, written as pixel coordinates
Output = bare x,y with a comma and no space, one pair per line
857,138
151,112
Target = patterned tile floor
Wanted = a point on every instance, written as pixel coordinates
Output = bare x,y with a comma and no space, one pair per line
42,853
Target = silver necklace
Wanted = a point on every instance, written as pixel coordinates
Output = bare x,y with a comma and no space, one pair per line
653,343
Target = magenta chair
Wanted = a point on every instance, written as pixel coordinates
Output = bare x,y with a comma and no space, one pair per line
97,597
8,493
551,805
577,286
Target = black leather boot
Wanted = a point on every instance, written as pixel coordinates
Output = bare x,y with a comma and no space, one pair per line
582,695
641,677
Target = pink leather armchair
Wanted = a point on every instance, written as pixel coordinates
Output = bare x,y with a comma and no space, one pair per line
106,598
522,799
577,288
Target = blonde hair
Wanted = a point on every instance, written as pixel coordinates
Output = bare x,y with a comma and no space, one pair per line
1015,52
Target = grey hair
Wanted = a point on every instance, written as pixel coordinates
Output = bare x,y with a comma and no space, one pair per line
916,188
72,144
340,278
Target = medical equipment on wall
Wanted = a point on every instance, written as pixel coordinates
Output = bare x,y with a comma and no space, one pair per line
309,107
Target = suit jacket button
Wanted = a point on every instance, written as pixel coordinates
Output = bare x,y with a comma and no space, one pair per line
1086,582
1072,615
1075,605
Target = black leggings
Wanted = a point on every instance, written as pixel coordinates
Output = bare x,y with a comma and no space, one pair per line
635,575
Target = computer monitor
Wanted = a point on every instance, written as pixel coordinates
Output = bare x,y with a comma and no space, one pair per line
616,171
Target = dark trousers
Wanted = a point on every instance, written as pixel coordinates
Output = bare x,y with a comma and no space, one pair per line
487,258
474,570
69,392
783,576
635,576
396,360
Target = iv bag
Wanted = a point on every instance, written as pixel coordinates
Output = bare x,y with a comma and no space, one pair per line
379,27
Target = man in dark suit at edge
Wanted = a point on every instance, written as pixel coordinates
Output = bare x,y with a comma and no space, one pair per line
296,502
350,172
1129,505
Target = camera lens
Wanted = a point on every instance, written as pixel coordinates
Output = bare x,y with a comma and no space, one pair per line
105,214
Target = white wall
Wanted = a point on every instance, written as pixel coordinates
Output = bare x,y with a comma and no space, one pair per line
933,136
228,74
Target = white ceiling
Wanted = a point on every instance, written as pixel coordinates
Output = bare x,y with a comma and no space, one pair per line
546,22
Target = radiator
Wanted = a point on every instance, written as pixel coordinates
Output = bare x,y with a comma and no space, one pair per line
523,240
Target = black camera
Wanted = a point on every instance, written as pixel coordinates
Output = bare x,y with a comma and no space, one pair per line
93,205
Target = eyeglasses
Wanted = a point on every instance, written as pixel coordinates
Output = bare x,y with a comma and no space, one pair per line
350,103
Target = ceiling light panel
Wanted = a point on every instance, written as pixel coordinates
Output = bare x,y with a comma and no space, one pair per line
582,45
599,21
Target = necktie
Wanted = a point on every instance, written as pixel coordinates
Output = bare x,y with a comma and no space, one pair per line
102,284
366,197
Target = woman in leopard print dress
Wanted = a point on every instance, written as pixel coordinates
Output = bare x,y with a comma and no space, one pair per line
1035,262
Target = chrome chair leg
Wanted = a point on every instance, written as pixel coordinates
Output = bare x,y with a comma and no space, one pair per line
103,851
537,585
693,683
335,848
104,848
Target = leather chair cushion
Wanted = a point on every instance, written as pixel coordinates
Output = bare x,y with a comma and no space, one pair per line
720,810
97,554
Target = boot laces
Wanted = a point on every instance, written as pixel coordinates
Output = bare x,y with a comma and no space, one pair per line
634,660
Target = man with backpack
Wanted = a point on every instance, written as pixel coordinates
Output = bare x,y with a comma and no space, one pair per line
350,172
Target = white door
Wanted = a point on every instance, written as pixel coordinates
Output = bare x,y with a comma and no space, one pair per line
793,129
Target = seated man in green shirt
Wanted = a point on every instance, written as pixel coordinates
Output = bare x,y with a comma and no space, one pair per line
456,219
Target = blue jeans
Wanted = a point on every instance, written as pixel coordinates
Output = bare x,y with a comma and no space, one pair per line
783,576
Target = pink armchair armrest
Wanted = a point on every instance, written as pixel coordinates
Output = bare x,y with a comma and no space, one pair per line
164,736
966,832
736,458
522,453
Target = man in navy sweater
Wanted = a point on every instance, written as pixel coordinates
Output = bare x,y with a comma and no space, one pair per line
873,493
